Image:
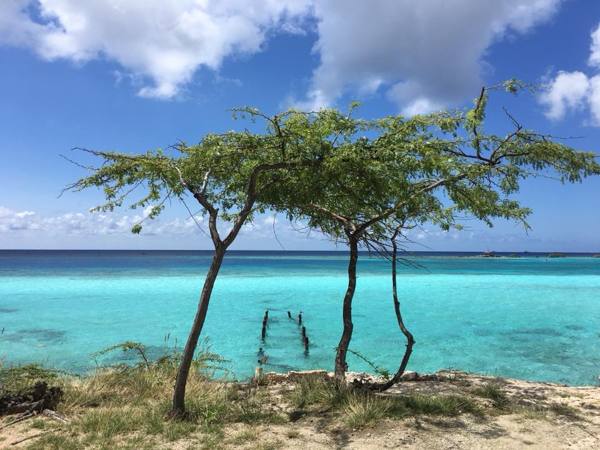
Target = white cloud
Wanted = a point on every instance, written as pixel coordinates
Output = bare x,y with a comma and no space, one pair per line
575,91
594,59
428,53
93,224
568,91
165,42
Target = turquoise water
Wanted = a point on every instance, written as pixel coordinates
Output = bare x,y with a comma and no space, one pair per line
530,317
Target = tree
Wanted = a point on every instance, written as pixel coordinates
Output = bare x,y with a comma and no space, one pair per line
396,162
229,175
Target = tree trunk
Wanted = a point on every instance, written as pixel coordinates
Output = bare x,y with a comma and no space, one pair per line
409,337
340,359
178,409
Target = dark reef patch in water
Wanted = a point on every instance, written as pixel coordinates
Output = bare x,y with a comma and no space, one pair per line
7,310
37,334
534,331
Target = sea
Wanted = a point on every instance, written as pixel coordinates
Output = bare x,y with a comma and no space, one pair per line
527,316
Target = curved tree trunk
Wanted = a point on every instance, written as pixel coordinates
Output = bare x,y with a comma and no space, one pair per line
409,337
178,408
340,359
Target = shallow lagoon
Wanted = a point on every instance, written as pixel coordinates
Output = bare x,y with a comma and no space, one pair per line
530,317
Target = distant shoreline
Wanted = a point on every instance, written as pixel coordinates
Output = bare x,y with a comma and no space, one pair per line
416,253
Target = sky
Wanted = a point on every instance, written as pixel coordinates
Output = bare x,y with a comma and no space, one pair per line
134,75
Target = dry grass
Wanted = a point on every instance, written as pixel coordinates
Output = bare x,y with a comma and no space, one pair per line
126,407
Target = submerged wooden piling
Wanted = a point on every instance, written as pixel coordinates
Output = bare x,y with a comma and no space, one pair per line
263,332
300,318
289,315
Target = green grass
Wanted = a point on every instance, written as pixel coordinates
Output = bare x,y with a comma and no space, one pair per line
362,411
433,405
495,393
245,436
15,379
55,441
127,407
313,391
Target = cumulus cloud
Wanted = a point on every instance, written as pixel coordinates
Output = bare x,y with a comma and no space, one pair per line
97,225
78,223
425,53
575,91
568,91
163,42
428,52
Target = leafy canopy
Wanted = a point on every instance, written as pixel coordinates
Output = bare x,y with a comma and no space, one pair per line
346,175
394,170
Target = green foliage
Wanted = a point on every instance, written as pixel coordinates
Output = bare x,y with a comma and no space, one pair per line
381,371
428,168
342,174
127,346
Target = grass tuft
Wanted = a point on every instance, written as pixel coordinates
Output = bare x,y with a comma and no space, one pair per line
365,410
433,405
564,410
316,391
495,393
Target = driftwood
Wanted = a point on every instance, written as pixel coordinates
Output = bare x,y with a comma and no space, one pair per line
33,436
18,419
55,416
33,400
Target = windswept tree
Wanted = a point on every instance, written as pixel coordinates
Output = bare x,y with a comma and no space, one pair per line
386,244
382,167
229,175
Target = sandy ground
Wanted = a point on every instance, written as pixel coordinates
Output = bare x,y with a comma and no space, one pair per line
576,428
571,420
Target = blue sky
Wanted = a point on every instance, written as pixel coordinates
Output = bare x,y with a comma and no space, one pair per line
135,75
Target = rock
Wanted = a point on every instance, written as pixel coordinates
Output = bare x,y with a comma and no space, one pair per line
296,376
35,399
296,415
409,376
293,376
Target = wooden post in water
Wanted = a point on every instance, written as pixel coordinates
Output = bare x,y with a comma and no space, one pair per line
306,345
263,332
289,315
300,318
303,332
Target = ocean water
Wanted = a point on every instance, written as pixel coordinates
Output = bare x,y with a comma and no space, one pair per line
530,317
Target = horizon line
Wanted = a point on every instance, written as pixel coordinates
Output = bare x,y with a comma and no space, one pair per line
291,251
